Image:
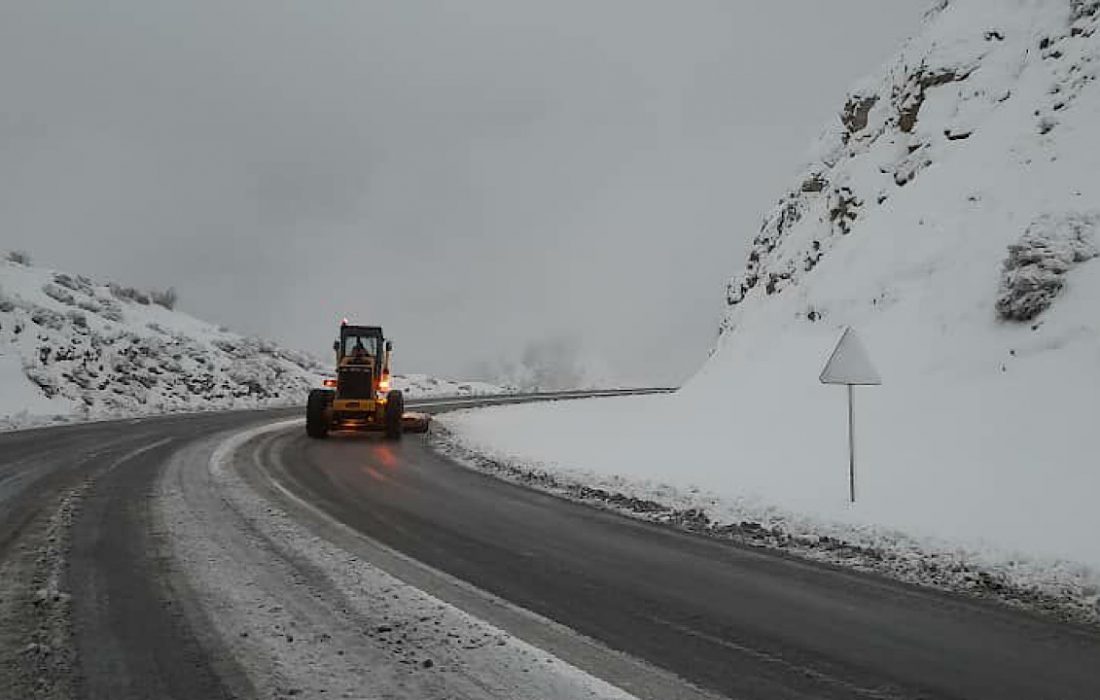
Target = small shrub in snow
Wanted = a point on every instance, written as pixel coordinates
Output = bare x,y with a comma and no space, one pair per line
1080,9
58,294
107,308
130,294
6,304
79,283
19,257
47,318
166,298
1046,124
226,346
39,376
1034,273
78,319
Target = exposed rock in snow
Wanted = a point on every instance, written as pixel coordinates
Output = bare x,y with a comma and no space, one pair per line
975,93
1034,272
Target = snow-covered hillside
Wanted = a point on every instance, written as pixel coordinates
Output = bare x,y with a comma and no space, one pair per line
423,386
75,349
951,215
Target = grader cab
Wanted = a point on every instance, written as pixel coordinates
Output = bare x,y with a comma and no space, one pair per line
360,397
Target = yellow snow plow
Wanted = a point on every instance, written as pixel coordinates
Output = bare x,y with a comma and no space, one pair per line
360,397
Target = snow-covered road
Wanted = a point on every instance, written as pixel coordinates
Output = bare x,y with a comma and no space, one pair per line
229,556
305,616
137,562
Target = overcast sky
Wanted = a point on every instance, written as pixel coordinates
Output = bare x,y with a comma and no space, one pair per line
480,177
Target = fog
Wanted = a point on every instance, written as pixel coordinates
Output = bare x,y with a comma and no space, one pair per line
499,183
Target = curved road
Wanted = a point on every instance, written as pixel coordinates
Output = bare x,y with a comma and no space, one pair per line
148,559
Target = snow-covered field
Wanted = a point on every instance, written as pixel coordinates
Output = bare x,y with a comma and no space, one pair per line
951,217
74,349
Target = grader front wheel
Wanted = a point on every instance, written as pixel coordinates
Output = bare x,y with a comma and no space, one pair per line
395,409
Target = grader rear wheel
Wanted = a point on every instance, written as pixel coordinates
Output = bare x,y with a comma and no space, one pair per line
395,408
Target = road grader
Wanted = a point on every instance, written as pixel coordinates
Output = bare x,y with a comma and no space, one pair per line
359,397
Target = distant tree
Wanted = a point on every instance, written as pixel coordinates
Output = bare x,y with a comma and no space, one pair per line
130,294
6,304
20,257
166,298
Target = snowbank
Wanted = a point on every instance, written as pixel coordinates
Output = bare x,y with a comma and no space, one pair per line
950,217
422,386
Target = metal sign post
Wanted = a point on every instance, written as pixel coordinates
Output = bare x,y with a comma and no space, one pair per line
850,365
851,444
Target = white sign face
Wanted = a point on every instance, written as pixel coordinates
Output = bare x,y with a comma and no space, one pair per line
849,363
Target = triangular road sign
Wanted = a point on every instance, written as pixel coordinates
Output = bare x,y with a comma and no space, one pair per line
849,363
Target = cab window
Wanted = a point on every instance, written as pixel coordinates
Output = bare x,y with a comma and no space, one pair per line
360,345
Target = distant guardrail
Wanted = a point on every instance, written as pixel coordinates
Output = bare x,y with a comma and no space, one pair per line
455,402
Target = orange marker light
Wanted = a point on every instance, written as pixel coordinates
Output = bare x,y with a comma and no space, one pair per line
384,383
331,383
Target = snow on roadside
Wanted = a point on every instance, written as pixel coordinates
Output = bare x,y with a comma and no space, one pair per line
305,618
950,213
602,452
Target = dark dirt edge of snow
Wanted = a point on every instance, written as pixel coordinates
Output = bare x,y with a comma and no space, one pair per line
927,570
39,610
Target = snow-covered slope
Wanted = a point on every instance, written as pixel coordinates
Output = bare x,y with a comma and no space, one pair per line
951,215
75,349
72,348
423,386
961,178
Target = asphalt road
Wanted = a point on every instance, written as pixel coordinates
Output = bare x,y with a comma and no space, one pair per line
87,607
734,620
92,607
